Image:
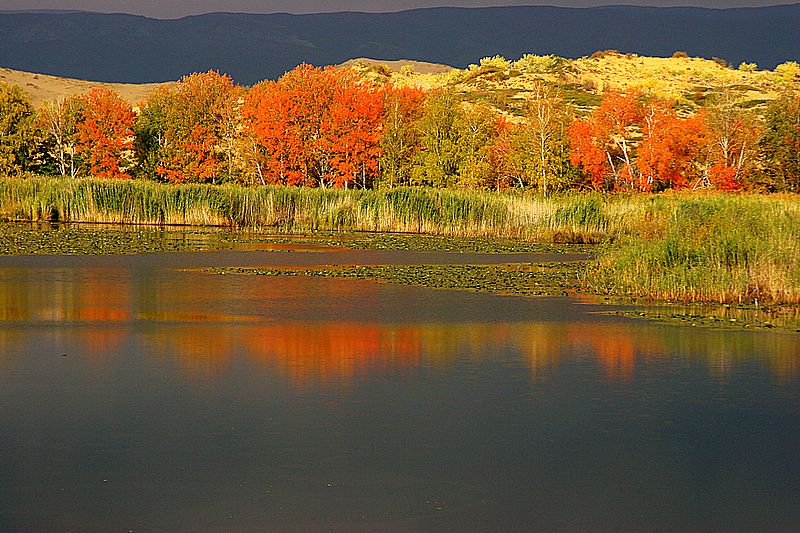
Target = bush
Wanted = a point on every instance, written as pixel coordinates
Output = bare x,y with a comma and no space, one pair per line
721,62
788,72
495,64
534,64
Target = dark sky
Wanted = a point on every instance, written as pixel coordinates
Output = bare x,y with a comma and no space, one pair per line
179,8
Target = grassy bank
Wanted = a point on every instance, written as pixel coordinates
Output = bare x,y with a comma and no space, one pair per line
292,209
725,249
740,249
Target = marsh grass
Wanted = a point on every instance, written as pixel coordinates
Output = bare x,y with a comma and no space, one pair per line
742,249
715,248
577,218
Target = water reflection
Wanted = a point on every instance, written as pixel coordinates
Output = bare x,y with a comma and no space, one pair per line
217,403
90,295
197,312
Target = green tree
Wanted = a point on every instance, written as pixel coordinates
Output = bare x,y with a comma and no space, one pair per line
733,142
17,131
780,143
400,138
58,121
437,164
477,130
151,131
541,145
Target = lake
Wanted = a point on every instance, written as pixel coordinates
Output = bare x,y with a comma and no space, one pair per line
142,393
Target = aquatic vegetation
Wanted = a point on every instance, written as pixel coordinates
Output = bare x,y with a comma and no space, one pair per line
528,279
31,239
742,249
22,238
294,209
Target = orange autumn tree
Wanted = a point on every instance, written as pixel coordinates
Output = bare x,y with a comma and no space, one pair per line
277,148
639,143
105,134
188,132
501,155
601,143
588,153
315,126
669,154
351,133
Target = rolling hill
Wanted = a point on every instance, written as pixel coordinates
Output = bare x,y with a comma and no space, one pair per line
127,48
504,85
42,87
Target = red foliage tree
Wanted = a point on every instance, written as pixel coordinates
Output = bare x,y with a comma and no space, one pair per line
669,153
105,133
501,155
588,153
190,158
601,143
407,102
316,126
267,114
351,133
724,177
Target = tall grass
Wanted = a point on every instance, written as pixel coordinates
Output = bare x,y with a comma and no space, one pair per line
716,248
418,210
686,247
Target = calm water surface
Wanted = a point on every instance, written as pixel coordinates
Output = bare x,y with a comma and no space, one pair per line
139,394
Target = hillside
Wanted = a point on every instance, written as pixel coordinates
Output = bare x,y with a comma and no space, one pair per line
688,81
42,87
503,84
398,66
126,48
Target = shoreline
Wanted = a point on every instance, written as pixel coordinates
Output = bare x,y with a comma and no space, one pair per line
550,278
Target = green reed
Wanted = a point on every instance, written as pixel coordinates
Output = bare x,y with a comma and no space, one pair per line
418,210
686,247
713,248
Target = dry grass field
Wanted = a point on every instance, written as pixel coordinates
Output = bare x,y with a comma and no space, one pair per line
42,87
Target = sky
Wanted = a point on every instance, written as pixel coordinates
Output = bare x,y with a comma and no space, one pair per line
181,8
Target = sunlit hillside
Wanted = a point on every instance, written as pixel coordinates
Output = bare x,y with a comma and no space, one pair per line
687,81
399,66
503,83
41,87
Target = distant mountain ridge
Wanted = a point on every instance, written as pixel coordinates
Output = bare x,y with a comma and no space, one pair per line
135,49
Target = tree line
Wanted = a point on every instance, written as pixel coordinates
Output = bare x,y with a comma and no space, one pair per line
331,127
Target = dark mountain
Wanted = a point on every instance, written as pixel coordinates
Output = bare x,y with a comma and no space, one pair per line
127,48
